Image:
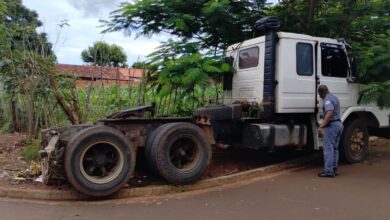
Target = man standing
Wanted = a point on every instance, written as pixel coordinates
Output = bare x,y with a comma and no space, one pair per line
330,129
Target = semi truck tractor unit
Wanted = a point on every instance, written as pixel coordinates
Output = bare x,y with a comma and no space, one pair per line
269,102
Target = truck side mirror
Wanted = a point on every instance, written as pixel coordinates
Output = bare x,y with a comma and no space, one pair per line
229,60
354,70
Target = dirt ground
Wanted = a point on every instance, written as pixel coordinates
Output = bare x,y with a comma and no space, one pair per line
11,148
224,162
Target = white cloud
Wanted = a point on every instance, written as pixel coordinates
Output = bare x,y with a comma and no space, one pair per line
94,8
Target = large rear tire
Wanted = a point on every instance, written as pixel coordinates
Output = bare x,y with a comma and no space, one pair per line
179,152
148,147
99,161
354,141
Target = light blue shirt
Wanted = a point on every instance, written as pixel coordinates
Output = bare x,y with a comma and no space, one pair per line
332,103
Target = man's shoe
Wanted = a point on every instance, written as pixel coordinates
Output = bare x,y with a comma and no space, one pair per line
326,174
336,172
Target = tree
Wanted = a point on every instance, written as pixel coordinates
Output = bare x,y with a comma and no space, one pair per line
104,54
21,50
139,65
378,93
176,69
27,71
214,24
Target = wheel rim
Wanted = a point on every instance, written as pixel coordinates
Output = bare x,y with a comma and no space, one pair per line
357,142
101,162
184,154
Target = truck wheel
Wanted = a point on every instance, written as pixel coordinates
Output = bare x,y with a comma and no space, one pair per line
180,152
99,161
148,147
354,142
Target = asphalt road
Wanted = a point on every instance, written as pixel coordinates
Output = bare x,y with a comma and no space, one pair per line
362,191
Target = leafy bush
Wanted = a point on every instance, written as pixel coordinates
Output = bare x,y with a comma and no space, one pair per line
377,93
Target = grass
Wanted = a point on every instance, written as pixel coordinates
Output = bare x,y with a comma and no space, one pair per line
96,103
31,150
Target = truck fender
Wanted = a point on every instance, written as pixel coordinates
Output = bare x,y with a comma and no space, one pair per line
372,115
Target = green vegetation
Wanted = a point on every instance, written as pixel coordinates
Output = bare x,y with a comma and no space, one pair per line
104,54
105,101
213,25
100,101
25,57
179,73
31,150
378,93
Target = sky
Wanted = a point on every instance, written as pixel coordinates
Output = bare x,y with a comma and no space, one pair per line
83,18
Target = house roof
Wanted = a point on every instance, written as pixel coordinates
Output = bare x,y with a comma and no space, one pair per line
97,72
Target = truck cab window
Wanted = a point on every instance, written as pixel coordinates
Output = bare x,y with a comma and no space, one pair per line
304,55
334,61
249,58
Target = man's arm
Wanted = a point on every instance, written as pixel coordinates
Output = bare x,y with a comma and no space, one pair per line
325,122
327,119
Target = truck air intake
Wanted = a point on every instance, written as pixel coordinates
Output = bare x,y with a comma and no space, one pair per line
268,26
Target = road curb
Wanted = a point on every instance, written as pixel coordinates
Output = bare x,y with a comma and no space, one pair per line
152,190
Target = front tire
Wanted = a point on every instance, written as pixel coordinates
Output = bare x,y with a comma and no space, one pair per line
354,141
99,161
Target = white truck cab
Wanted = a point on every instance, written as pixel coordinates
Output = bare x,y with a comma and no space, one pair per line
281,72
297,72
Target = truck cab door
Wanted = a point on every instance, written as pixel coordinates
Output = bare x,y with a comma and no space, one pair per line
248,79
296,88
333,71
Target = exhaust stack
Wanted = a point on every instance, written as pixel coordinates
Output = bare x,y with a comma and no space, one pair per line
268,26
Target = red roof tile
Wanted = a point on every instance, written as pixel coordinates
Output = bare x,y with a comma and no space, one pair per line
97,72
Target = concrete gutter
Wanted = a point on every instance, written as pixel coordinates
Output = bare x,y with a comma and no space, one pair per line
153,190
